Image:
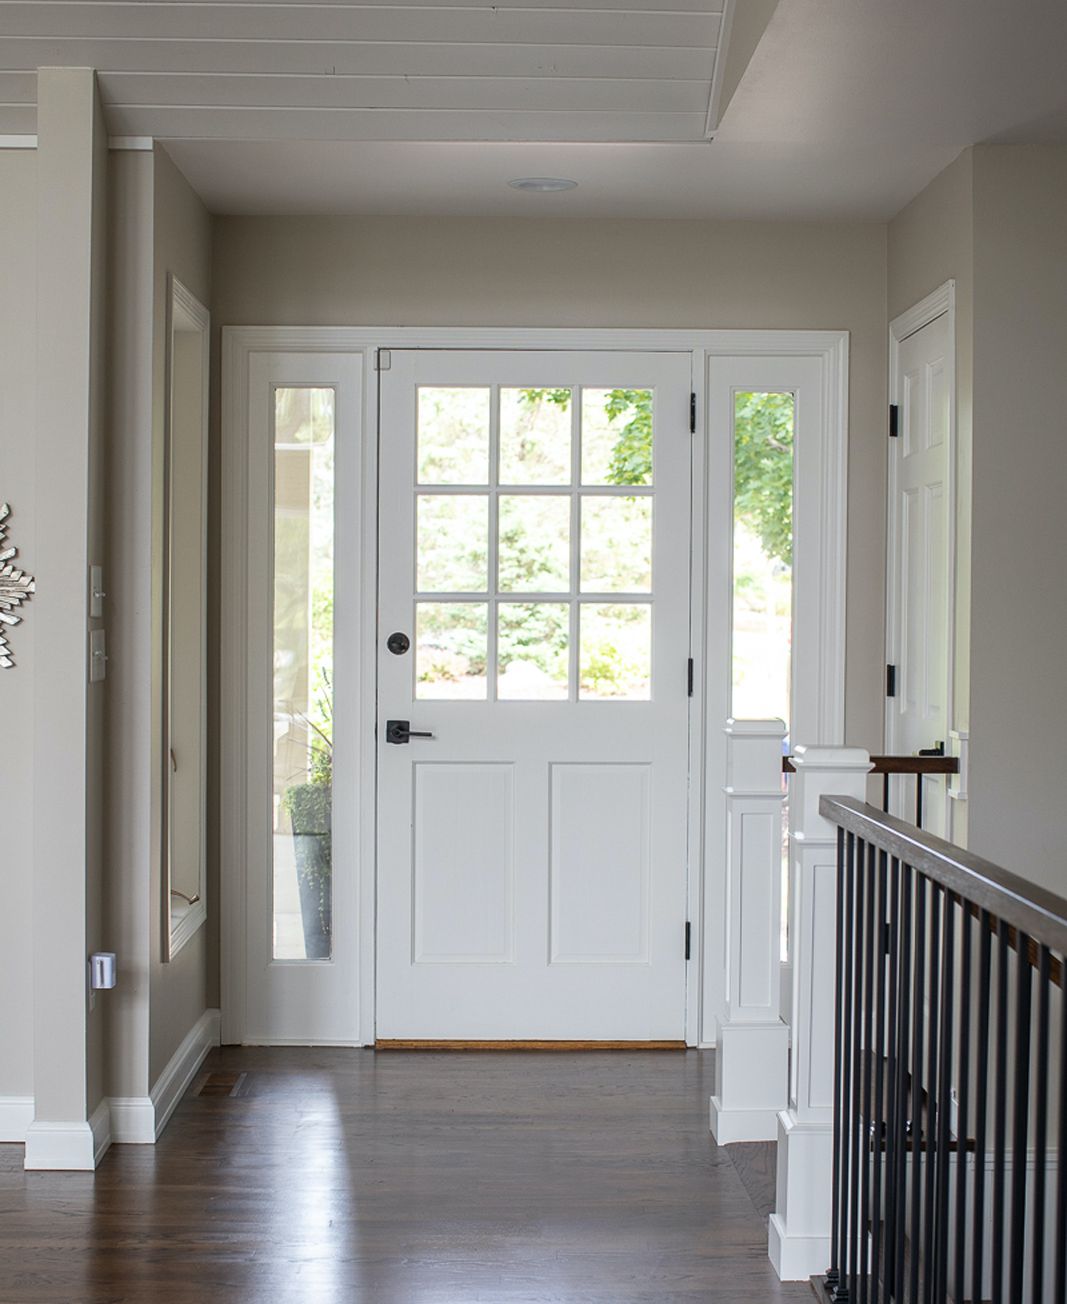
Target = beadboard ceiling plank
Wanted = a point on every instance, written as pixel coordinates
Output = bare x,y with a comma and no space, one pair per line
287,22
317,57
191,123
489,94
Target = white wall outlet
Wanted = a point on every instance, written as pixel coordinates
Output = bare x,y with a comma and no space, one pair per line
102,970
96,592
97,656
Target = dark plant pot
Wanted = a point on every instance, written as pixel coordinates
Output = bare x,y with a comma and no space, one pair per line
310,810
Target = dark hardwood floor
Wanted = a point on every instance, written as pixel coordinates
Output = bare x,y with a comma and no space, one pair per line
338,1175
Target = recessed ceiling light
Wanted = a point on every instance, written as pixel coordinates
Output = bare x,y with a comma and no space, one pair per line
542,183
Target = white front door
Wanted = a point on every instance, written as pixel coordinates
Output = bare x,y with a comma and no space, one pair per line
920,582
533,708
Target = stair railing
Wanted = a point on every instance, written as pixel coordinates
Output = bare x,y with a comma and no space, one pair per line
949,1142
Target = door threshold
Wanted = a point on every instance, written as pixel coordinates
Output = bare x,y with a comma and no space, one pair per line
446,1044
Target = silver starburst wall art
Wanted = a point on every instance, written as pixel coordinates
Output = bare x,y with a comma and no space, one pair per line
15,589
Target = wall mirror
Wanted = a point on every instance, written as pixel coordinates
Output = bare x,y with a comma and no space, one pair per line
184,678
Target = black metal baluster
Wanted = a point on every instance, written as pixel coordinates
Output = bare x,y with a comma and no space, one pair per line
918,801
845,1095
931,1094
1000,1111
981,1101
869,960
1044,968
884,941
1061,1161
916,1084
833,1275
964,1099
899,1115
1021,1115
939,1249
856,1103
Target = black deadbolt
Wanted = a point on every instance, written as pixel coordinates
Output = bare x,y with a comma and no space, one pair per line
398,643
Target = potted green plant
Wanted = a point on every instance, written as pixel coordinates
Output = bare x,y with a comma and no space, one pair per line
310,809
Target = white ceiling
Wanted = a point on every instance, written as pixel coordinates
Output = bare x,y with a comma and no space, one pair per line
847,108
594,70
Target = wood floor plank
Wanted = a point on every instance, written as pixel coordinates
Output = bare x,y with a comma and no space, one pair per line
345,1175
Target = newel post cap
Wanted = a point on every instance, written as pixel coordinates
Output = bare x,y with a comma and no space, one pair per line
811,756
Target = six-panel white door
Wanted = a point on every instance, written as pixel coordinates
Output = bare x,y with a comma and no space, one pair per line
920,584
533,638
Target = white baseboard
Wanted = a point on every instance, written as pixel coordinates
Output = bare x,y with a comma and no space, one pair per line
796,1258
16,1115
70,1147
174,1081
729,1126
133,1120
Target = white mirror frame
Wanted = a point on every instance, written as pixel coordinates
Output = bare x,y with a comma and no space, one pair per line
183,913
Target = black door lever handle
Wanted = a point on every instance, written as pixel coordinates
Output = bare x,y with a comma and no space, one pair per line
400,731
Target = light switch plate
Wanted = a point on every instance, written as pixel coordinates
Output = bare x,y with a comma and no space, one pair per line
97,656
96,592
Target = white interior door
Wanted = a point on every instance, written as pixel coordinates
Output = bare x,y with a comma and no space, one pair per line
534,637
920,578
299,943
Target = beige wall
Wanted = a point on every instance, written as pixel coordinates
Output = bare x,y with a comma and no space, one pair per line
475,272
930,242
182,989
18,294
1019,632
133,916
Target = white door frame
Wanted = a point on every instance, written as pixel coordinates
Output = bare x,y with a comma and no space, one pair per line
936,304
710,577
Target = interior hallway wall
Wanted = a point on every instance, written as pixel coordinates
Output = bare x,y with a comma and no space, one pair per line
185,987
622,273
1018,705
18,295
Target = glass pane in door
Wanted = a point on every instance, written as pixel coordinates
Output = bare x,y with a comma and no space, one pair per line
302,737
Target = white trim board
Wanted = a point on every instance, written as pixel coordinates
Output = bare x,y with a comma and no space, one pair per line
69,1147
139,1120
240,343
16,1115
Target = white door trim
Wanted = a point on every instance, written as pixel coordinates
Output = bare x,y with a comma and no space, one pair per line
239,343
936,304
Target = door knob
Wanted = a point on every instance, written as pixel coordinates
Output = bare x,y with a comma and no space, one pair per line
400,731
398,643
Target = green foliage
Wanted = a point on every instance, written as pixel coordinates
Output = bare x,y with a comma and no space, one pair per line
631,456
763,469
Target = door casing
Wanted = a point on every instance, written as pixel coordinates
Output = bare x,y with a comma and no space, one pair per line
820,671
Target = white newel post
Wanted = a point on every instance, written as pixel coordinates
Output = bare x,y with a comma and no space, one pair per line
799,1236
752,1042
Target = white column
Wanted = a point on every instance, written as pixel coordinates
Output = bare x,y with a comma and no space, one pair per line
799,1236
752,1042
70,1127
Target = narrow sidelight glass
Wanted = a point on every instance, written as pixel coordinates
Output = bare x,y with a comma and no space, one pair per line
302,734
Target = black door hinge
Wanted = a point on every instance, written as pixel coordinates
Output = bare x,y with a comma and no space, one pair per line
894,421
688,938
690,677
692,414
890,681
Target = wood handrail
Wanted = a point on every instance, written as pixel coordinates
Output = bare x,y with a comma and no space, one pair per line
900,765
1040,914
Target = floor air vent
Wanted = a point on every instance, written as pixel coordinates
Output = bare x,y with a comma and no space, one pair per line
222,1084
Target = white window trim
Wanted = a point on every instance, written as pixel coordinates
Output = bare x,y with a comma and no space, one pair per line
239,343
